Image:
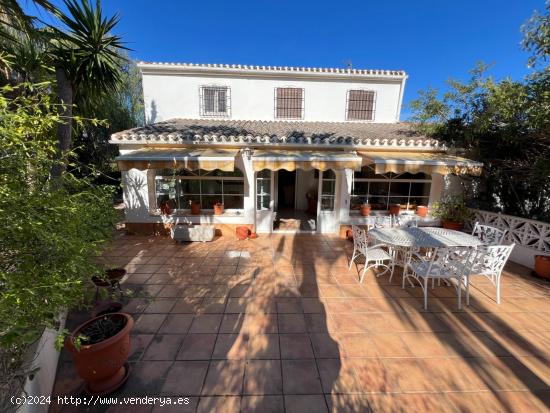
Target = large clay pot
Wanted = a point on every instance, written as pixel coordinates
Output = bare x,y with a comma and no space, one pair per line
195,208
542,266
218,209
242,233
395,209
457,226
421,210
102,365
365,210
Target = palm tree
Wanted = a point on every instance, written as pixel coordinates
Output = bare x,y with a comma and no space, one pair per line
86,59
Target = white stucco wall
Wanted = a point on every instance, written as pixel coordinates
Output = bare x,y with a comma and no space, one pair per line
173,95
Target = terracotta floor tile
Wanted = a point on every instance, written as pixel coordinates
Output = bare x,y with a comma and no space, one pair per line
305,403
148,323
163,347
263,346
225,377
206,323
185,378
433,403
425,344
338,376
187,305
197,347
408,374
230,346
263,377
177,404
221,404
176,324
262,404
301,377
347,403
373,376
390,345
260,323
139,342
326,345
292,323
357,345
295,346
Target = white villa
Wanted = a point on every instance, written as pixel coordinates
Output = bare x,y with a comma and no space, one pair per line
282,148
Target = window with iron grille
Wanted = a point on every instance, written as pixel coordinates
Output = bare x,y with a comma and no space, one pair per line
360,105
215,101
289,103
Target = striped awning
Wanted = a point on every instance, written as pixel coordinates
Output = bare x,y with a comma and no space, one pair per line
188,158
415,162
306,160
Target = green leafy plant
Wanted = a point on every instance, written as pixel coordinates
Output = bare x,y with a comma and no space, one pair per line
451,209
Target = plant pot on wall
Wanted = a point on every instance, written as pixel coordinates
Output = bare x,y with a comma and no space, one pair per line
365,210
218,208
421,210
455,225
542,266
395,209
195,208
100,358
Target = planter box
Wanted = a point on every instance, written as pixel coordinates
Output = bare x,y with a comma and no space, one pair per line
192,232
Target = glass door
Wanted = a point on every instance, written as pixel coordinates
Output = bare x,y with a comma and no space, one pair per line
327,214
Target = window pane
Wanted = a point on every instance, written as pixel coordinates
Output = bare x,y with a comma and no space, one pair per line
185,199
355,202
233,187
221,100
190,186
360,105
208,201
408,175
415,201
367,173
265,173
327,203
289,102
233,202
218,172
263,186
329,174
400,200
399,188
209,99
379,188
360,188
262,202
211,186
166,191
378,202
328,187
419,189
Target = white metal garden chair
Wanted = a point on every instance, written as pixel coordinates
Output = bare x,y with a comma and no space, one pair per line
442,264
375,256
489,261
488,235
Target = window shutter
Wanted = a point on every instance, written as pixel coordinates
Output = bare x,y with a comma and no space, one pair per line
289,103
360,105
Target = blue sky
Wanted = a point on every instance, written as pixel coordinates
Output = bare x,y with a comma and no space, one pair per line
431,40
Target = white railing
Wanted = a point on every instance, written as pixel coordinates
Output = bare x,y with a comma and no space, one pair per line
528,233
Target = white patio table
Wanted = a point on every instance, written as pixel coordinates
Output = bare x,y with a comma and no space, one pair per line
424,237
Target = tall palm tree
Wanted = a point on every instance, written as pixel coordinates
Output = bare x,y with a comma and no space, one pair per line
86,59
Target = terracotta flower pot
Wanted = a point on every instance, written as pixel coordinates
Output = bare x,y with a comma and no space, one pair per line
421,210
253,235
102,365
457,226
242,233
195,208
395,209
365,210
542,266
218,209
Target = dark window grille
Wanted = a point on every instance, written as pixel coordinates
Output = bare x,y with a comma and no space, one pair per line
360,105
215,101
289,103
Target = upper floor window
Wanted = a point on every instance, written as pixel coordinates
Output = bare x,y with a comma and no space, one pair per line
215,101
360,105
289,103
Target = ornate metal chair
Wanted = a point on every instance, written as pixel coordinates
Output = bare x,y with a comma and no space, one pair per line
375,256
488,235
489,261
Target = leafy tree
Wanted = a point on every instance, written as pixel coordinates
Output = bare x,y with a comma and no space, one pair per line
537,36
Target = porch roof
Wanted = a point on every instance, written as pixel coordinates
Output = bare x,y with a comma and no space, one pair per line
414,162
306,160
190,158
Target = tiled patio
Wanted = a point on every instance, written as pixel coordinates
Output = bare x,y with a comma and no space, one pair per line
279,324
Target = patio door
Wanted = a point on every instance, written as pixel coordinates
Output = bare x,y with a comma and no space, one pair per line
327,214
265,202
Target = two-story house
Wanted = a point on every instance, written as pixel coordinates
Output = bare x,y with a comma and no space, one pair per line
282,148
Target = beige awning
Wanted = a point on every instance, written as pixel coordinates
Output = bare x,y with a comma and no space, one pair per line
306,160
415,162
188,158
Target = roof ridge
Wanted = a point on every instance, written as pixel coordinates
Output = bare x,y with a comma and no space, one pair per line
378,72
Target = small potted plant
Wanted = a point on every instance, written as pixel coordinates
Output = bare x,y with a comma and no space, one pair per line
195,207
452,211
365,208
395,209
218,208
422,210
542,266
100,349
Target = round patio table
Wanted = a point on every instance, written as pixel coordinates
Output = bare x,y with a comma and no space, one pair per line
425,237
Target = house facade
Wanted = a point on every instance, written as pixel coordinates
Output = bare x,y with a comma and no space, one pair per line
281,148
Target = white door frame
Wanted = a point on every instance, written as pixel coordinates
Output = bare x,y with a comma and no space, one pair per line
328,221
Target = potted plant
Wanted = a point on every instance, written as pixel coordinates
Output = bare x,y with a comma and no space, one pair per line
218,208
542,266
195,207
365,208
422,210
395,209
100,348
452,211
